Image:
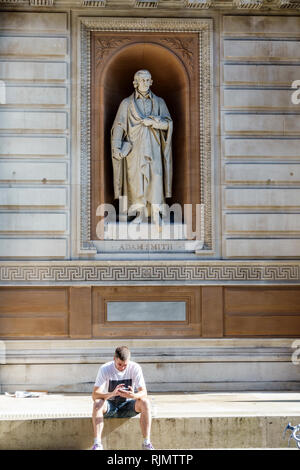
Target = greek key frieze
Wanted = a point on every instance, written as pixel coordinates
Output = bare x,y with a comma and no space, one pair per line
95,273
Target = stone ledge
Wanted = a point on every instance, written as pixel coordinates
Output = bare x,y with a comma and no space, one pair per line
147,351
200,421
193,366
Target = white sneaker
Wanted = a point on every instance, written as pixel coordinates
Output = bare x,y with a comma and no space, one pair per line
147,446
97,447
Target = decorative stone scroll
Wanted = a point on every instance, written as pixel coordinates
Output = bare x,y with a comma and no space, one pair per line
203,29
146,3
93,3
198,3
249,4
288,4
41,3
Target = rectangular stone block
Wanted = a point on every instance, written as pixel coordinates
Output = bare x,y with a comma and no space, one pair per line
33,120
33,145
33,222
261,25
258,98
32,47
260,123
35,96
29,171
264,222
33,71
33,248
259,197
267,50
262,173
41,196
33,22
261,74
262,248
275,148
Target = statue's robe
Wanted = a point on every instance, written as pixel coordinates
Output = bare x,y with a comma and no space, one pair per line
144,174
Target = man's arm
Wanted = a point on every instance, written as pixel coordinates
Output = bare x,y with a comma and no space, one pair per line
141,393
99,395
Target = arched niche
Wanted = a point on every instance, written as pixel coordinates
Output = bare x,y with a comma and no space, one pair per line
112,82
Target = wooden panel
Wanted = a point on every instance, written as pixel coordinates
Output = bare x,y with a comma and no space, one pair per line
80,312
271,326
33,326
212,312
268,300
33,312
262,311
141,329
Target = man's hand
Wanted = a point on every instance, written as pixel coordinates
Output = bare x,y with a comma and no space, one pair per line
116,392
126,393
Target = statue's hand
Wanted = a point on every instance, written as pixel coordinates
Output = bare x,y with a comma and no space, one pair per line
158,123
117,154
148,122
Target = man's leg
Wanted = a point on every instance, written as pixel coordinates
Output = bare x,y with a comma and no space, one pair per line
99,408
142,406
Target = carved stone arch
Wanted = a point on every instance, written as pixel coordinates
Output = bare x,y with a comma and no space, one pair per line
173,63
191,40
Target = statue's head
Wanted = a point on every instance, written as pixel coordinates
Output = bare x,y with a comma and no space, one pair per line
142,80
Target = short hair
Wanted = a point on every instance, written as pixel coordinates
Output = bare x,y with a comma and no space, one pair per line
137,74
123,353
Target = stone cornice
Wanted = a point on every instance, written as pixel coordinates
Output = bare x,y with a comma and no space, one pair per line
149,6
149,273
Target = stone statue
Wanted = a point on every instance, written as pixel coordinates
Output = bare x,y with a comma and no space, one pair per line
142,150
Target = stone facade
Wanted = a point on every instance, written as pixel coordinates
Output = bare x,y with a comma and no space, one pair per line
249,182
249,175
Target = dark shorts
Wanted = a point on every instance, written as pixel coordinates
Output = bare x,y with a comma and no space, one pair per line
120,410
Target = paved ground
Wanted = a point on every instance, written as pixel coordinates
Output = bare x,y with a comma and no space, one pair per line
164,405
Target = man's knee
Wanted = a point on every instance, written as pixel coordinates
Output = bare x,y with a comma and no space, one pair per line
100,406
142,404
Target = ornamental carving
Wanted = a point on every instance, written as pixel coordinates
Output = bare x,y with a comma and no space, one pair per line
105,46
103,273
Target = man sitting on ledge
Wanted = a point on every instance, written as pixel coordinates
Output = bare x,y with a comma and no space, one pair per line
115,396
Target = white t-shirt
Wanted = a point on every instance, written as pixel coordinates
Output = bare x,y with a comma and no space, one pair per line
109,377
